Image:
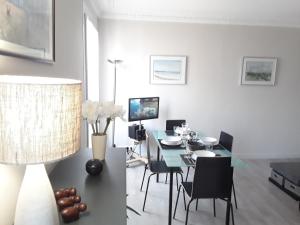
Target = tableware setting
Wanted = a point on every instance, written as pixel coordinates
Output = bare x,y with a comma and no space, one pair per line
202,153
182,130
187,159
172,141
177,130
209,142
190,157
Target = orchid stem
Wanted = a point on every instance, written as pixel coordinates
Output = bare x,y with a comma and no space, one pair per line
94,132
96,124
107,124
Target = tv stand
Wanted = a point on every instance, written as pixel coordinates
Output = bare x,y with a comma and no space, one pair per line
138,134
285,175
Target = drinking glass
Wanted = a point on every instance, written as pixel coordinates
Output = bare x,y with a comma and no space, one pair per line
208,147
184,128
175,130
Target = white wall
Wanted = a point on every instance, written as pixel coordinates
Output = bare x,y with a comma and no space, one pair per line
69,63
264,120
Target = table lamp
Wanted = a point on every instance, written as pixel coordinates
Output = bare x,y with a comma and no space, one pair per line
40,121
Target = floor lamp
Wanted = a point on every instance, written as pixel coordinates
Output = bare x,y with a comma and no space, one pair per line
40,121
114,62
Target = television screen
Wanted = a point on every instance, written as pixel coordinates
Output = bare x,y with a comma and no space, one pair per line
143,108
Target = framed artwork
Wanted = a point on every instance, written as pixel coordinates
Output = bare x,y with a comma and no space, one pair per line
27,29
258,71
167,69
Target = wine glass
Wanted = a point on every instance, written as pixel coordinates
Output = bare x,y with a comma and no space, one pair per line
175,130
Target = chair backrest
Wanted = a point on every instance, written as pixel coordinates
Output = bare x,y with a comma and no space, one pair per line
171,123
226,140
212,178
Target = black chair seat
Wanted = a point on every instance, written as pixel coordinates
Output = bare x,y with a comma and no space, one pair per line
161,167
188,186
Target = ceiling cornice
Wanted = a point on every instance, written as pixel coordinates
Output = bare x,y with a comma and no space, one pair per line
200,20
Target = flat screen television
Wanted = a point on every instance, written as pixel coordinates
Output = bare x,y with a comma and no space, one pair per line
143,108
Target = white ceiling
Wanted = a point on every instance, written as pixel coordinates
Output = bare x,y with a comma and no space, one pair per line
246,12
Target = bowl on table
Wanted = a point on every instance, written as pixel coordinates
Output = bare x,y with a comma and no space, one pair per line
202,153
208,141
194,145
172,140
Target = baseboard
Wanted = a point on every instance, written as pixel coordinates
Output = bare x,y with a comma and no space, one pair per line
267,155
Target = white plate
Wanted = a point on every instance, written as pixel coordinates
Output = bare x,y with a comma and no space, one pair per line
171,143
208,140
202,153
171,140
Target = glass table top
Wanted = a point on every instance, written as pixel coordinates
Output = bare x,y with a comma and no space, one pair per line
172,155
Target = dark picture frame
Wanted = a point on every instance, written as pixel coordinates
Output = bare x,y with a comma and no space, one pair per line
28,29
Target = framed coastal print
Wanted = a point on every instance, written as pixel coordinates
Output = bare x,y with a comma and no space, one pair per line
167,69
27,29
258,71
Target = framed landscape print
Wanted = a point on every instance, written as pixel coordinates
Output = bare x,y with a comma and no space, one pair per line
167,69
27,29
258,71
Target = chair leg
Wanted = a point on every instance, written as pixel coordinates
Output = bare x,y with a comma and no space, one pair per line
177,181
143,177
233,189
166,180
147,190
178,192
187,212
183,193
232,213
214,207
196,205
187,173
181,176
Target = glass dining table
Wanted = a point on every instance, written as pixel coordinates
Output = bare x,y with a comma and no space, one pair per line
173,158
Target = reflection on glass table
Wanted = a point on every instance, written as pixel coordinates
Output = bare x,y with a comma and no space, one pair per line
171,154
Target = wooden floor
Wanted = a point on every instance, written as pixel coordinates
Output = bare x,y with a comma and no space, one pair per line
259,201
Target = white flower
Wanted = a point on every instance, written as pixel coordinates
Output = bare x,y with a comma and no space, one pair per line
117,112
95,111
108,109
89,111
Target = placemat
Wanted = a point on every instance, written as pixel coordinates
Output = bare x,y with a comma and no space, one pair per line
218,147
187,159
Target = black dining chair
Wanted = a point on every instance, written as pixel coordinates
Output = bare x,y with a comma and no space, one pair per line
156,167
169,130
212,179
226,141
171,123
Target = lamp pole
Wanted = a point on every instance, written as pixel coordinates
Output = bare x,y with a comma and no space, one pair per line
114,62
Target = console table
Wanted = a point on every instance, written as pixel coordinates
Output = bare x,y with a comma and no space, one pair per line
105,195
